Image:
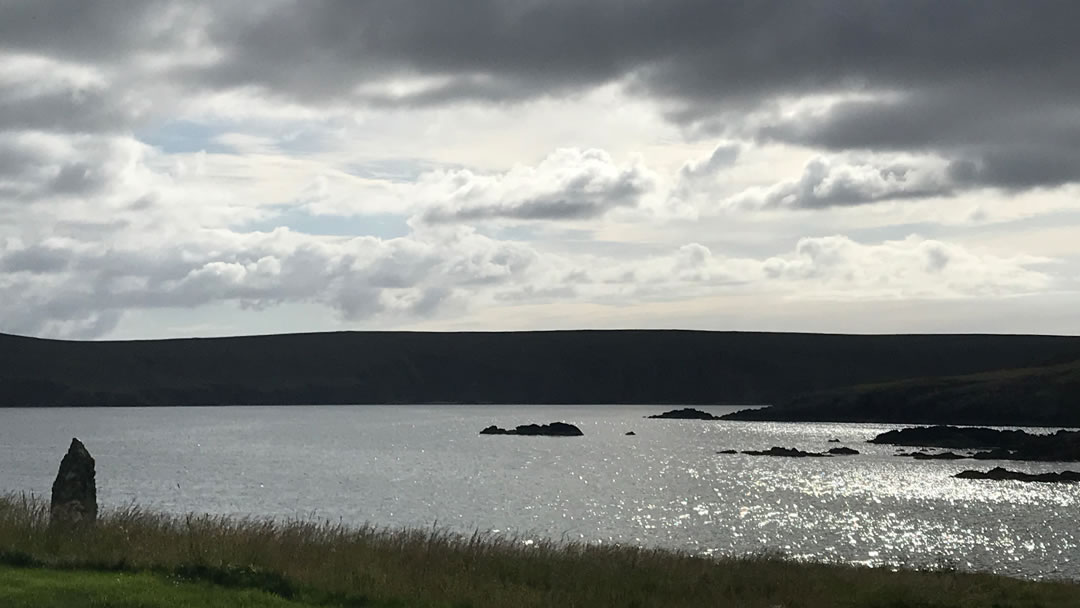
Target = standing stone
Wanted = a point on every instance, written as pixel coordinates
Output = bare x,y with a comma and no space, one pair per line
74,493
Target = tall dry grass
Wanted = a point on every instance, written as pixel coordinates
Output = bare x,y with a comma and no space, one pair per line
437,568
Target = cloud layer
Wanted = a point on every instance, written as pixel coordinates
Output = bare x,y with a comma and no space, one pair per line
392,163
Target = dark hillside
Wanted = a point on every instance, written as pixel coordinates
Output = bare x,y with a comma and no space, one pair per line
1036,396
683,367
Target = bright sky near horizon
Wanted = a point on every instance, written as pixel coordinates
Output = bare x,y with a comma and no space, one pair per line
208,168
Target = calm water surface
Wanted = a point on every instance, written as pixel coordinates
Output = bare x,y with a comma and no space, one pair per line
426,465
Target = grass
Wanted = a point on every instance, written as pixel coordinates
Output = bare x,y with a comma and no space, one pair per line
38,588
329,564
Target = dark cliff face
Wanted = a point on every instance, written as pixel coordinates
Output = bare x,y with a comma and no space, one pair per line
587,367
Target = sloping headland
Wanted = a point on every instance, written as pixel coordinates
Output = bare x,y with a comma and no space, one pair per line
1030,396
564,367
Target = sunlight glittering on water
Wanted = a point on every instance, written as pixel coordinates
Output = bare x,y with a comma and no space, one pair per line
666,486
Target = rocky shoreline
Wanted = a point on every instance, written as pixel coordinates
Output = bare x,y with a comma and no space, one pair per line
992,444
686,413
1002,474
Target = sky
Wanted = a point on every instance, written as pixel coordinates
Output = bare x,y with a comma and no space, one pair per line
173,169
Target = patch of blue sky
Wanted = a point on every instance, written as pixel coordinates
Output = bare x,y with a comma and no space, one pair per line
937,230
384,226
183,137
400,170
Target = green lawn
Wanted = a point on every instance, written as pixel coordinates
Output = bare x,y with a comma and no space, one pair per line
42,588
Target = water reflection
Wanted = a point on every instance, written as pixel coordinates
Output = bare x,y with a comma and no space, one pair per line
409,465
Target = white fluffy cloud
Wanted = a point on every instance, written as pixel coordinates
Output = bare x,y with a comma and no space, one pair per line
828,182
568,184
66,287
839,268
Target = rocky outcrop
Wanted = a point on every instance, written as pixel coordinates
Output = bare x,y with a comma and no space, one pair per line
793,453
74,492
997,444
686,413
785,452
555,429
1000,474
629,433
938,456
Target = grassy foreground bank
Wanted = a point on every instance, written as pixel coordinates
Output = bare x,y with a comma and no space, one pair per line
250,562
41,588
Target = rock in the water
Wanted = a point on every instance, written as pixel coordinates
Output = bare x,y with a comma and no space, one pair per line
555,429
941,456
843,452
1000,474
74,492
833,441
1001,445
628,433
727,452
686,413
787,452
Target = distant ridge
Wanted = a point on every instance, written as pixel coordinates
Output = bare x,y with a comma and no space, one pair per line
571,367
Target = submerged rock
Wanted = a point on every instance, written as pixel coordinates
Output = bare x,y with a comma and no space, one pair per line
842,452
74,491
785,452
1000,474
555,429
628,433
833,441
686,413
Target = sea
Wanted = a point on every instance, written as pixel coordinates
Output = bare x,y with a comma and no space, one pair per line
400,466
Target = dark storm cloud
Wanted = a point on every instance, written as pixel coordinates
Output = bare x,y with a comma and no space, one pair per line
693,50
36,259
67,111
989,84
94,31
30,170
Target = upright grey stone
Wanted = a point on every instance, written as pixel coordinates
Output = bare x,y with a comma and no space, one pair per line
74,493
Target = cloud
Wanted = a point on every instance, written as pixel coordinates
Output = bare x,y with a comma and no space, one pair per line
73,288
41,167
836,267
722,157
832,182
47,287
141,146
988,85
569,184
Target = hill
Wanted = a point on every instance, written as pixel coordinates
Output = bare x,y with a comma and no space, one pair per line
1035,396
634,366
